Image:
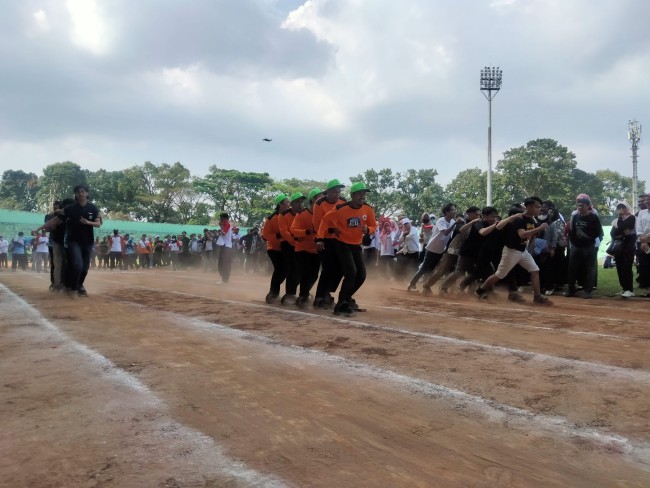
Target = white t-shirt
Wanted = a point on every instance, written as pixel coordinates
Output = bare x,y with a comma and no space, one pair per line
643,223
225,239
4,246
42,244
116,244
386,245
411,242
175,246
438,241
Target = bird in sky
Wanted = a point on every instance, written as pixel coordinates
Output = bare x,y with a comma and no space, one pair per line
267,140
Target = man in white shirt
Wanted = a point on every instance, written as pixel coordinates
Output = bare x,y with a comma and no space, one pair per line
438,243
42,252
643,246
224,246
116,250
4,249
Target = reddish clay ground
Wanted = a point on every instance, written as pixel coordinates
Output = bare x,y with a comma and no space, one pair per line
163,379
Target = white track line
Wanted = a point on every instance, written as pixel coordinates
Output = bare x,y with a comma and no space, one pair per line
117,376
616,371
437,313
494,411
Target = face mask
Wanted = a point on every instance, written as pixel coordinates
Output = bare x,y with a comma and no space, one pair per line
426,221
542,217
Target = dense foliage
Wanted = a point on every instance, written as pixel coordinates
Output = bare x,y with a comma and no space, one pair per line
169,193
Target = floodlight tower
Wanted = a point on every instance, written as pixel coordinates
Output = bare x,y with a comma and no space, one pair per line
634,135
490,86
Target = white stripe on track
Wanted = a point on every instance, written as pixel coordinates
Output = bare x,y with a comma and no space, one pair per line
120,377
499,413
438,313
599,368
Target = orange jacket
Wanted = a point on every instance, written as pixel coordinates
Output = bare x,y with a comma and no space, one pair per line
345,222
285,220
321,207
271,232
303,231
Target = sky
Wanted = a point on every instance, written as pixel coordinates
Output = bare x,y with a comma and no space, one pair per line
340,86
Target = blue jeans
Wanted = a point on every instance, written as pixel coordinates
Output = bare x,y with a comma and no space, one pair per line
78,264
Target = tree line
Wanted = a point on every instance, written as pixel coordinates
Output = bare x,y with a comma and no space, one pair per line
170,193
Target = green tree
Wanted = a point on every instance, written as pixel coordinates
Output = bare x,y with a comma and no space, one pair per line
18,190
383,197
112,191
58,182
615,188
245,196
467,189
542,168
418,192
158,190
582,182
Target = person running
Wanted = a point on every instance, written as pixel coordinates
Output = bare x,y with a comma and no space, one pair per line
519,228
307,257
271,234
331,274
349,222
288,246
436,246
82,218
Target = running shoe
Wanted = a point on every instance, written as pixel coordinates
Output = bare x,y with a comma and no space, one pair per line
628,294
82,292
516,297
271,297
541,300
426,290
481,293
411,288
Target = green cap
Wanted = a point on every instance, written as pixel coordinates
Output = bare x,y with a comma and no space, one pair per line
297,196
280,198
334,184
358,186
314,193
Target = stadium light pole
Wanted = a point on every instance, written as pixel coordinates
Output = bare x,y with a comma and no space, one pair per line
634,135
490,86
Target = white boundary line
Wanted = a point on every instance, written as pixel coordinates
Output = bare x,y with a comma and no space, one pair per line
437,313
636,375
494,411
228,466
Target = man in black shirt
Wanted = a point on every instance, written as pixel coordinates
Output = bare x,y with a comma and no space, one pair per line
584,228
81,219
518,229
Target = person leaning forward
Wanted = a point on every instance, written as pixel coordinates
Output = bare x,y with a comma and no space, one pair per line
331,274
349,222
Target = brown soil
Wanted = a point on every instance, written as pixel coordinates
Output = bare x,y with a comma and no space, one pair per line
163,379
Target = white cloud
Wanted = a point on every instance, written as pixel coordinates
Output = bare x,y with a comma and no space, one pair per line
41,20
88,27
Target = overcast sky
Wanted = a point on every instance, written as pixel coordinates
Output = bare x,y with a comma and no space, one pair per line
339,85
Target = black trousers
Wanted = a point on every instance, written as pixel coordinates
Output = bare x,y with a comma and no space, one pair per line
308,265
289,258
431,260
644,268
353,267
582,267
624,263
331,273
279,271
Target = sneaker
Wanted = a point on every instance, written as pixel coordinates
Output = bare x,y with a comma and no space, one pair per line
426,290
288,299
271,297
411,288
583,294
481,293
301,302
570,293
442,292
628,294
541,300
82,292
343,308
548,293
516,297
355,306
318,302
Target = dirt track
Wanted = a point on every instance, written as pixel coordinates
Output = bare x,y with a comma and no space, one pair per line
166,379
